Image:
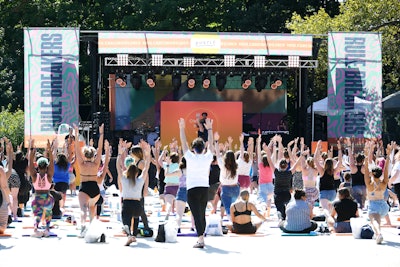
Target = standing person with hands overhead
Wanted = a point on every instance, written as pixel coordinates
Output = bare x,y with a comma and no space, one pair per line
42,179
198,163
88,160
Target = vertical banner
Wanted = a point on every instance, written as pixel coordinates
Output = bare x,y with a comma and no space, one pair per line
51,78
354,85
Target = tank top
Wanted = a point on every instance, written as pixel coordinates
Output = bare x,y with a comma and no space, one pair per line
41,183
283,181
327,182
358,178
237,213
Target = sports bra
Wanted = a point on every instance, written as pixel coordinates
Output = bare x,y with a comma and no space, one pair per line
41,183
246,212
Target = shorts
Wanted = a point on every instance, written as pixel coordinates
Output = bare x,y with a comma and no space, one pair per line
380,207
247,228
327,194
254,179
265,190
342,227
181,194
61,187
244,181
171,190
90,188
14,181
212,190
71,178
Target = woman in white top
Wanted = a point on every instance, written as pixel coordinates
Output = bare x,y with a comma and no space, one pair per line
197,176
131,188
228,176
245,162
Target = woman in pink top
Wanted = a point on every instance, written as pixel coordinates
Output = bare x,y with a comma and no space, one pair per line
41,180
265,178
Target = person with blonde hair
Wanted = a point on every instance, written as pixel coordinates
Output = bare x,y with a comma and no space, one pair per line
88,160
240,212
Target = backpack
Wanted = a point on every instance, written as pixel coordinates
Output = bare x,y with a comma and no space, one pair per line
367,232
160,233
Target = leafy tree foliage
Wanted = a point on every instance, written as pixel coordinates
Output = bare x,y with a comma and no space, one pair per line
11,123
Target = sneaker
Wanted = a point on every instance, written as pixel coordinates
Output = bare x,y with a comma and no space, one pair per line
126,229
379,239
83,231
199,245
37,234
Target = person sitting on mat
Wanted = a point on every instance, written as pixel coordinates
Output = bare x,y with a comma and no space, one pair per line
298,215
343,210
241,212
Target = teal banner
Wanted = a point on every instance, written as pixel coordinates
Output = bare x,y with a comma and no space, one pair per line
51,78
354,85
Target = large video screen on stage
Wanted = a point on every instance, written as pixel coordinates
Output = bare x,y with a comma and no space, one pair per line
226,116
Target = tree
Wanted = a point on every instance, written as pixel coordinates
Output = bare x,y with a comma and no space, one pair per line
12,125
368,15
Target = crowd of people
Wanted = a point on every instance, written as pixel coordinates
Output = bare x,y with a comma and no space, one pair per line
209,171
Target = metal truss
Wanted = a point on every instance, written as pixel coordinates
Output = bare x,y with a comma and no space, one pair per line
209,63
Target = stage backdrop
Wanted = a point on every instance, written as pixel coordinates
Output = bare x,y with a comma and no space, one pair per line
226,116
354,86
138,111
51,57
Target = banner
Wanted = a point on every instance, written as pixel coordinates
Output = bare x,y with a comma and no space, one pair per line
354,85
204,43
51,77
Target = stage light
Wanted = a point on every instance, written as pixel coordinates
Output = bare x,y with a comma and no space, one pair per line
157,60
220,80
188,61
136,80
151,79
293,61
229,60
176,80
191,80
259,61
206,81
122,59
261,82
120,78
246,80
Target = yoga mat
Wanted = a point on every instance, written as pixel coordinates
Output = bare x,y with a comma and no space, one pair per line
247,235
29,235
5,235
187,234
312,233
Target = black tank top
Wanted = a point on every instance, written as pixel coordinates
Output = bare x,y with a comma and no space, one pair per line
357,178
214,174
283,181
327,182
246,212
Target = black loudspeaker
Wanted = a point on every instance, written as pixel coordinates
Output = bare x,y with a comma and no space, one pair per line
98,119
